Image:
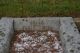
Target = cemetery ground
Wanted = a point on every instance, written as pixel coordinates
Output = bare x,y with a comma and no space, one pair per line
32,8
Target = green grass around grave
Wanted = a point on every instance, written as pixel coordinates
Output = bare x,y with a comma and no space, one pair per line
25,8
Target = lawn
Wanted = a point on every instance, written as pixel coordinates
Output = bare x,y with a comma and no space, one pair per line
26,8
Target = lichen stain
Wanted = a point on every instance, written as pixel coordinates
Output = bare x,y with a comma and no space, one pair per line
2,34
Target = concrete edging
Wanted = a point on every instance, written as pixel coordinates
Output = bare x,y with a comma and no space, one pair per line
70,35
68,31
6,31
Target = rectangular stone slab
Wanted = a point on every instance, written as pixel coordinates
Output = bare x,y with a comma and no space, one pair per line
6,32
36,23
70,35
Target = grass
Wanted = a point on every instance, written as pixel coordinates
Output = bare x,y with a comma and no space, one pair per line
26,8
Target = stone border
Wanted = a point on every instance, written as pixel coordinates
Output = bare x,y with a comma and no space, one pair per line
70,35
36,23
6,31
68,31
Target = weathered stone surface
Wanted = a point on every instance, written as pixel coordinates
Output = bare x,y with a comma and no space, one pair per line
70,35
36,23
6,30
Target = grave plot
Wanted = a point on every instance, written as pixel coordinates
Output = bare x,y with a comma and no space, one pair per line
39,35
